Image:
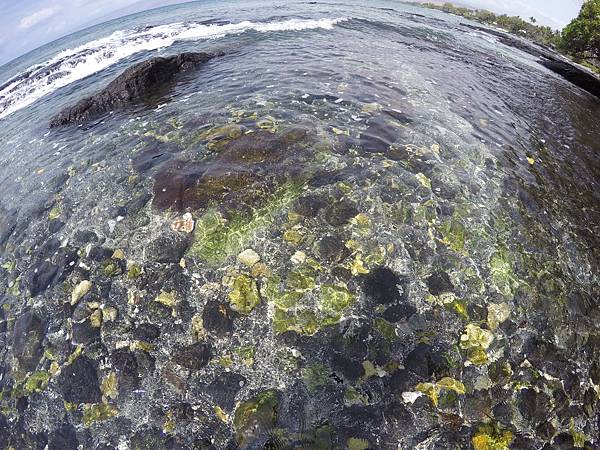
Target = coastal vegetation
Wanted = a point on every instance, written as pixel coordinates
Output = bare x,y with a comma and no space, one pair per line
580,39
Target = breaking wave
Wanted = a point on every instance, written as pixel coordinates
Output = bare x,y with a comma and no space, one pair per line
74,64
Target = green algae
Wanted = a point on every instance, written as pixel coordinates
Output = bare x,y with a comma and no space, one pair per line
134,271
97,412
217,237
303,306
315,377
502,273
433,390
256,415
36,382
55,212
111,268
109,386
246,354
167,299
244,296
357,444
476,340
9,266
293,236
333,302
454,234
385,328
489,437
302,278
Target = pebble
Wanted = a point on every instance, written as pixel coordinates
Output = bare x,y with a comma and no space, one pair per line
298,258
248,257
183,224
80,290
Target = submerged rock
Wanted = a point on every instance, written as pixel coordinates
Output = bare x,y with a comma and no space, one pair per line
79,381
137,84
193,357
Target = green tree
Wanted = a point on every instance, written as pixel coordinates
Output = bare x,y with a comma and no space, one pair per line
582,36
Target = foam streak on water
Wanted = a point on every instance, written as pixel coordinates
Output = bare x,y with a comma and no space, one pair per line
80,62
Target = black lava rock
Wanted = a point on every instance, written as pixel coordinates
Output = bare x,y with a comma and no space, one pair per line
332,248
168,248
218,318
79,381
84,333
310,205
146,332
127,369
8,222
439,282
28,334
384,286
193,357
41,276
225,387
340,213
63,438
136,84
399,312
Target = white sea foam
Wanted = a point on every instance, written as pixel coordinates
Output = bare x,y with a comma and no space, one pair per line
80,62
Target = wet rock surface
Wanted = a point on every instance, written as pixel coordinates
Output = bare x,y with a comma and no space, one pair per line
137,84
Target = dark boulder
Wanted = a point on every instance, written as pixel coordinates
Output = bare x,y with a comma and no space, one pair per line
8,223
225,387
579,77
218,318
28,334
384,286
137,84
79,381
193,357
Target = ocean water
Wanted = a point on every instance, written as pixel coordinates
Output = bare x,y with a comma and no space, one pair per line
423,201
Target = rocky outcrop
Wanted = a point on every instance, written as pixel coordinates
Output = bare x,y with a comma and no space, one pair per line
548,58
580,77
137,84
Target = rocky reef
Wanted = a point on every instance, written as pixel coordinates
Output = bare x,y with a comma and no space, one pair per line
253,282
574,73
139,83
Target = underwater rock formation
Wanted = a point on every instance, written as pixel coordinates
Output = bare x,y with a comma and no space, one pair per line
137,84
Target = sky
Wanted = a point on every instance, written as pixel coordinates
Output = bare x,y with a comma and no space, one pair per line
28,24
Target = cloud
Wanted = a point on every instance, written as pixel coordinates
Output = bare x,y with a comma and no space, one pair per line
37,17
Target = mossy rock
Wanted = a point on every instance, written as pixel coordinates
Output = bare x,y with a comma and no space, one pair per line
255,417
244,296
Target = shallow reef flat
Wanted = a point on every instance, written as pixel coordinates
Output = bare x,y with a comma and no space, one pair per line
360,253
296,287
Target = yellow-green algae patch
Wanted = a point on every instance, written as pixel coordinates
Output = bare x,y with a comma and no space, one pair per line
218,236
97,412
244,296
476,340
491,438
303,306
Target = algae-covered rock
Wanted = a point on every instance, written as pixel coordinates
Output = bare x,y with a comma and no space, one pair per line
255,418
488,437
98,412
244,296
36,382
476,340
217,237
